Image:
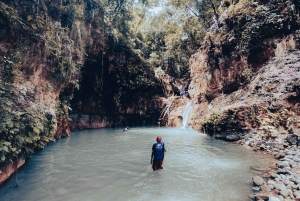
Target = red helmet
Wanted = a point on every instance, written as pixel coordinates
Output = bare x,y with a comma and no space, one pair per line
158,139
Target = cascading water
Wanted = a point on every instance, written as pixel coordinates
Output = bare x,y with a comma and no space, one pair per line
186,114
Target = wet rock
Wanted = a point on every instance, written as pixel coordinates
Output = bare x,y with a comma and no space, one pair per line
232,138
265,187
281,171
285,145
288,152
279,155
262,196
256,189
286,192
284,164
281,176
271,182
280,186
273,198
281,198
220,136
292,163
296,159
276,191
274,175
260,169
262,147
292,139
291,179
257,181
297,194
286,182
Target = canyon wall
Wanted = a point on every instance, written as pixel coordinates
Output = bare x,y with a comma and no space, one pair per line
246,73
50,51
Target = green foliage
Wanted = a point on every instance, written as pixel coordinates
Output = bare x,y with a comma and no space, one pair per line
170,37
219,122
22,132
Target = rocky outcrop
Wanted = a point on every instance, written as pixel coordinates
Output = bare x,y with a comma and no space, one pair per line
46,50
246,76
9,169
268,103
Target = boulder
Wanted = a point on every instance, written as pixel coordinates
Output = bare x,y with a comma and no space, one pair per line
265,187
280,186
281,198
271,182
286,182
279,155
232,138
281,171
284,164
273,198
262,196
257,181
262,147
274,175
297,194
220,136
292,139
256,189
296,159
286,193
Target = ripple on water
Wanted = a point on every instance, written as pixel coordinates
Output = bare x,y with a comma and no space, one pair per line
107,164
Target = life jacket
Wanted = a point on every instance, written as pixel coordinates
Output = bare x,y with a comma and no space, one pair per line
159,150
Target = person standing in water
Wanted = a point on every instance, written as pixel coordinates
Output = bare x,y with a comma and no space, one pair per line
126,128
157,155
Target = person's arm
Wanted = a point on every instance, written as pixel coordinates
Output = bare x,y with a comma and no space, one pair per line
163,153
151,161
152,155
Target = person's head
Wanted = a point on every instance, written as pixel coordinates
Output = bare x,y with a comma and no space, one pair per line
158,139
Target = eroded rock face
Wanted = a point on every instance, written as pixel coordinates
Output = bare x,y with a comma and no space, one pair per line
247,81
9,169
39,65
269,102
44,45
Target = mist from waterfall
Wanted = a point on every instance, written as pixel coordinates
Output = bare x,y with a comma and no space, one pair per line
186,114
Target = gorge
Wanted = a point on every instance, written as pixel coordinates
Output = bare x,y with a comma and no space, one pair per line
68,65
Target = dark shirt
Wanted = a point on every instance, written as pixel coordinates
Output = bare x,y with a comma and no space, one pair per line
154,154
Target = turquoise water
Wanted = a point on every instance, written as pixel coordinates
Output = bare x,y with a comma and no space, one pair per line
108,164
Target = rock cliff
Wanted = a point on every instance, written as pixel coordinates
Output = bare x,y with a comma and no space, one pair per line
246,74
50,52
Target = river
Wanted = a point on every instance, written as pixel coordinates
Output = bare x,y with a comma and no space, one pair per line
108,164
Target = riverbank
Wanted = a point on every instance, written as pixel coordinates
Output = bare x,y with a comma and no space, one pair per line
9,169
282,183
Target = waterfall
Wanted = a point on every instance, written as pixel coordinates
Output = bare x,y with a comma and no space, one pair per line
186,114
